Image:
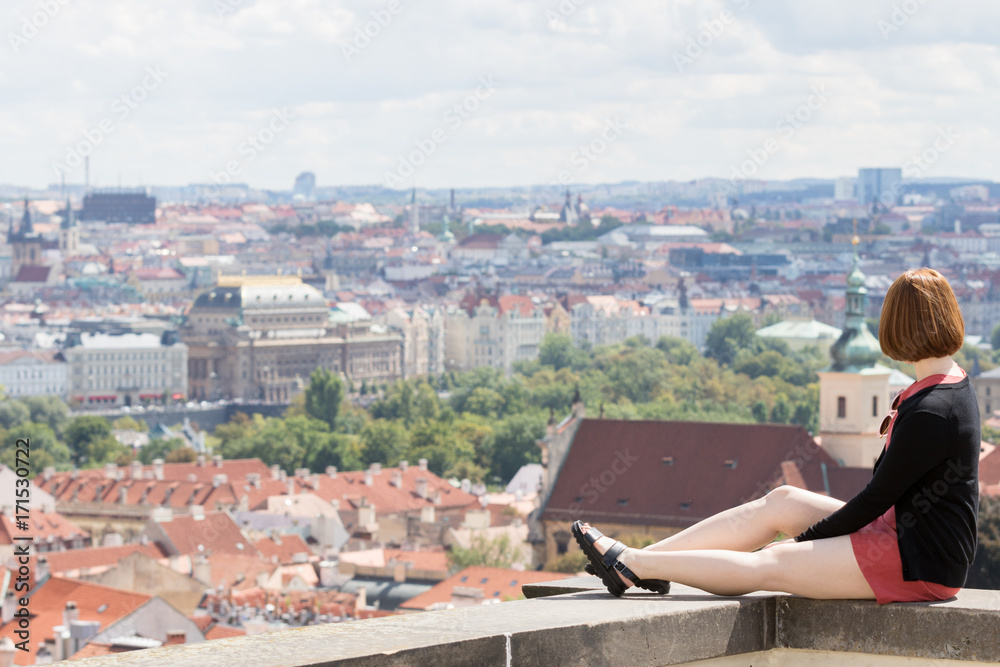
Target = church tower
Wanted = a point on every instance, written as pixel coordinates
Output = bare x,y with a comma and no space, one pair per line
854,388
26,245
69,233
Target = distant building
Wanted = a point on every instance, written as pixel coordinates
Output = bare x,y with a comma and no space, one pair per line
881,186
34,373
494,335
843,189
125,368
128,205
799,334
261,337
305,184
25,242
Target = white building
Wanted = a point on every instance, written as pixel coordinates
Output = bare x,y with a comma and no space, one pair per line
33,373
494,335
423,330
126,368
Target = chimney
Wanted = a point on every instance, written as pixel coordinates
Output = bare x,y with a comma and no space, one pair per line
217,461
80,632
111,470
275,471
219,480
253,478
291,486
202,571
122,494
112,540
175,637
397,479
41,569
427,514
302,473
282,475
376,468
366,515
158,469
369,480
422,487
197,512
403,465
70,613
200,461
48,472
192,477
332,471
314,481
422,464
135,469
7,651
466,485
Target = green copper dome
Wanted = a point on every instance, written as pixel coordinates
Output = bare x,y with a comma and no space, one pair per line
857,348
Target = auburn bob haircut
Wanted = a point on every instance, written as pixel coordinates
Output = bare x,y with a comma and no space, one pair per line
920,318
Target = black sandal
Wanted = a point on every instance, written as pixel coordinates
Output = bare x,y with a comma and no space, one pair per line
652,585
606,565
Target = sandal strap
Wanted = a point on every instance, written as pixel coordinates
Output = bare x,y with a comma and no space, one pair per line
610,560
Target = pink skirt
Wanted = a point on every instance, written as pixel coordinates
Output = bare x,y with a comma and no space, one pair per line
877,553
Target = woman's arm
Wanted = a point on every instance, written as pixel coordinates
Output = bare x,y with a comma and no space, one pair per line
919,442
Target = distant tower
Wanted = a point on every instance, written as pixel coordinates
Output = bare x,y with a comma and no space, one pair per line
569,215
26,245
305,184
69,233
414,213
854,389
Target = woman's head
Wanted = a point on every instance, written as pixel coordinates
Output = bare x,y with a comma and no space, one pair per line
920,318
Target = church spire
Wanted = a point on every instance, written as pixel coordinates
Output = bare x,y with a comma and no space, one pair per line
857,348
26,226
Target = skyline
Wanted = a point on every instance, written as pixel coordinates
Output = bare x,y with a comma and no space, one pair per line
503,95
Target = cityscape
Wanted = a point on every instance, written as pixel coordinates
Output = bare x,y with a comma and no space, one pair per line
319,362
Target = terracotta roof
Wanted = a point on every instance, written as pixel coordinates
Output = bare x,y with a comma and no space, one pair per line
216,533
81,560
494,582
218,631
989,469
238,572
432,560
44,356
93,602
522,304
282,547
668,473
41,527
349,488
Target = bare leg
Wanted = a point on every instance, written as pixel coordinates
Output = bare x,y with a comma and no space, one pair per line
821,569
787,510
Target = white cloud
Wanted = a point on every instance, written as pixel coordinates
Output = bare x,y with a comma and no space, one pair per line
558,81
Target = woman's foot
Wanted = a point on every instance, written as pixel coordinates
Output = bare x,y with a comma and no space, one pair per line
602,545
658,586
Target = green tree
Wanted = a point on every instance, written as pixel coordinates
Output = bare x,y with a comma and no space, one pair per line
129,423
995,338
557,350
85,431
514,443
985,571
759,412
500,552
159,449
384,442
728,336
48,410
678,350
181,455
14,413
781,412
340,449
46,449
484,402
324,395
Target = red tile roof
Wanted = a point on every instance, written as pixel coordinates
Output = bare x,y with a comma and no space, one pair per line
282,548
522,304
41,527
152,273
237,572
989,469
434,561
676,473
215,533
63,563
93,602
222,631
494,582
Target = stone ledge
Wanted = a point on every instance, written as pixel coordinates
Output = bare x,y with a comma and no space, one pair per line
575,621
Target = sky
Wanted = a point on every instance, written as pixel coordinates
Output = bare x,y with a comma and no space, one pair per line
471,93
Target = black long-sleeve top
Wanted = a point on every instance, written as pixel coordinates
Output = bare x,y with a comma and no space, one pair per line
930,473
